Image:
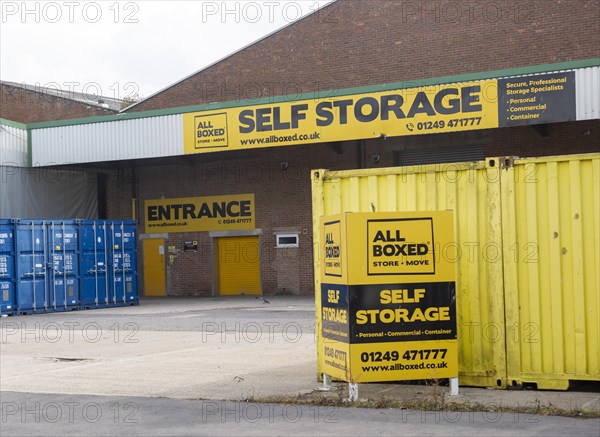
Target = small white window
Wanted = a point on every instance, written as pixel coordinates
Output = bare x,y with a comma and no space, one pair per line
287,240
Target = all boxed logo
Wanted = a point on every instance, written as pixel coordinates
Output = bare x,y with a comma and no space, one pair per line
210,130
333,252
400,247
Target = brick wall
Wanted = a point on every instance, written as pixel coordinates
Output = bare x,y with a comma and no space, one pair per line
120,183
283,201
356,43
25,106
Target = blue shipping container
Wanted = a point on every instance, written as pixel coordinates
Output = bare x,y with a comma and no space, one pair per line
63,267
95,259
108,269
7,268
31,251
124,262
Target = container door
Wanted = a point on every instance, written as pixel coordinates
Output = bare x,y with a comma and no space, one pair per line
472,191
124,264
94,261
551,229
63,283
31,250
237,260
7,285
154,267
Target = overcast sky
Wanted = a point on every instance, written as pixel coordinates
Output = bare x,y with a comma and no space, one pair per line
120,48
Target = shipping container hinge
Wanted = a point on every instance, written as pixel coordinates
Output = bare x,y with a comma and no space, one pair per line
507,162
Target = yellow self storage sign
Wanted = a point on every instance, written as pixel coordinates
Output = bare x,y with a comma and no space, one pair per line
197,214
388,297
413,111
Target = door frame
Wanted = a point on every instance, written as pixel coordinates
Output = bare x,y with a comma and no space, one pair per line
225,234
143,237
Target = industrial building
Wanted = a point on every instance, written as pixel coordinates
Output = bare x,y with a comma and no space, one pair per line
57,192
354,85
216,168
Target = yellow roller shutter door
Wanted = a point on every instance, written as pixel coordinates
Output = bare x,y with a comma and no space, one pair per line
238,265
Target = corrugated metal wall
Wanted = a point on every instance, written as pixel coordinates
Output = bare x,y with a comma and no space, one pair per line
551,229
487,234
109,141
465,189
13,146
587,82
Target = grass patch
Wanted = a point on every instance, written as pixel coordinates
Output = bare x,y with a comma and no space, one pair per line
435,400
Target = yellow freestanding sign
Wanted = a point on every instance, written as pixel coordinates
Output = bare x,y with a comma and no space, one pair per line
388,296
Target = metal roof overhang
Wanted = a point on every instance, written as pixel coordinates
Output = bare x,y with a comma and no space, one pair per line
160,133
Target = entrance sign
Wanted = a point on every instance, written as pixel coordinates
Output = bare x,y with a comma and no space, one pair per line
199,214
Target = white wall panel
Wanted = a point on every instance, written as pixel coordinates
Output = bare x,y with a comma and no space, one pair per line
110,141
588,93
13,146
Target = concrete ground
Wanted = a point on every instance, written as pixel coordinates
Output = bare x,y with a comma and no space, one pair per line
237,348
66,415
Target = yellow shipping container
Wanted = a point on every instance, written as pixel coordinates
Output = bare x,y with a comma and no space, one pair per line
527,257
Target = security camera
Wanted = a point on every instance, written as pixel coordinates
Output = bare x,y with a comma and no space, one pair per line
284,165
375,159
